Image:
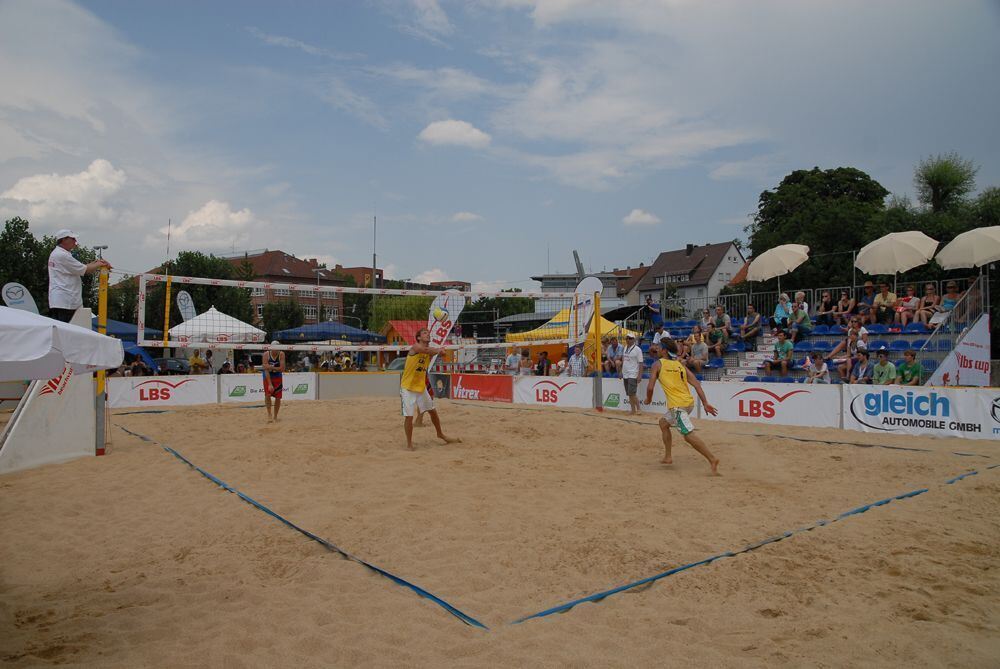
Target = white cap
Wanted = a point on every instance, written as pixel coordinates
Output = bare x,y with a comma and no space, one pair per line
275,343
64,233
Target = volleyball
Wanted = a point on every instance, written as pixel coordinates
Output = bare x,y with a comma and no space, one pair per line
440,314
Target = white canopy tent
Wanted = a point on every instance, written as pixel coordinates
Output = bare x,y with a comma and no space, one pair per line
215,327
37,347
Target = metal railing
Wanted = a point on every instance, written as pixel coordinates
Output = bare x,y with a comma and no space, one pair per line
973,304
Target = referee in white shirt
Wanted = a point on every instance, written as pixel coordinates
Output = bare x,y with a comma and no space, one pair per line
65,277
632,371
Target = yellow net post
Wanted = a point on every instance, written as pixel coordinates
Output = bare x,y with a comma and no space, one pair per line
166,316
100,399
598,385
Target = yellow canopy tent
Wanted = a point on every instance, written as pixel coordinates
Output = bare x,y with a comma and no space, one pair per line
558,328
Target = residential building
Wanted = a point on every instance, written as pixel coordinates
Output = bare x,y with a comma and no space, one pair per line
628,283
695,274
362,275
281,267
566,283
452,285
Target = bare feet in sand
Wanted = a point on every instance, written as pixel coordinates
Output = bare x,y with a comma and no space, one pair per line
449,440
667,460
715,467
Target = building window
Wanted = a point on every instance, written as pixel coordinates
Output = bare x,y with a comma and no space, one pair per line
282,292
260,311
257,292
310,311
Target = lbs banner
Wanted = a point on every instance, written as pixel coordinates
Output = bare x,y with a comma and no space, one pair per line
945,412
250,387
482,387
155,391
969,363
778,403
561,391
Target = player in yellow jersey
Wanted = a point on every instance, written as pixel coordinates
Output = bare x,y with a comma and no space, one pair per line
413,387
674,379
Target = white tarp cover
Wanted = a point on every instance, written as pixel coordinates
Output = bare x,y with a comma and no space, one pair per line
215,327
37,347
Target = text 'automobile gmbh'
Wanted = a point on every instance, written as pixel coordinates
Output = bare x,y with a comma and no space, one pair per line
887,409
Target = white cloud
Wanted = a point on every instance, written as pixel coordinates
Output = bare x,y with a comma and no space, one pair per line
292,43
390,271
759,169
421,18
214,225
640,217
466,217
431,276
454,133
337,93
448,82
83,196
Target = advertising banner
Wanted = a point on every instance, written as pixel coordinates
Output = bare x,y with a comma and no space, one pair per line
482,387
250,387
561,391
970,413
779,403
441,385
615,399
968,364
157,391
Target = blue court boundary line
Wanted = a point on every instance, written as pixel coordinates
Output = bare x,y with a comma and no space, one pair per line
599,596
465,618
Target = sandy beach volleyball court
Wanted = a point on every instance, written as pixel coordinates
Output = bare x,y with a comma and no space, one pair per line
134,559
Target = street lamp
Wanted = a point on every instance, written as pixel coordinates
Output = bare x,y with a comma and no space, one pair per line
99,249
361,323
319,306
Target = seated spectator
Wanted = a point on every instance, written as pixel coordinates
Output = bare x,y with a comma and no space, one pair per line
561,368
907,306
850,348
697,356
863,369
884,305
884,373
930,304
696,336
525,368
909,373
604,353
843,309
750,328
544,365
198,363
782,312
723,322
818,371
866,302
862,332
826,310
716,339
578,362
782,355
137,368
660,334
241,368
614,356
948,302
706,318
227,368
801,324
800,298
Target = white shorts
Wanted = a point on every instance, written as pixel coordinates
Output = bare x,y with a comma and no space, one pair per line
412,400
680,417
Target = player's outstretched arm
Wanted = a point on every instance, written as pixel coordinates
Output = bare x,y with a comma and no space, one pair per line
654,374
696,384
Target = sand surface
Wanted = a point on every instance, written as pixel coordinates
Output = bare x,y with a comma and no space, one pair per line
135,560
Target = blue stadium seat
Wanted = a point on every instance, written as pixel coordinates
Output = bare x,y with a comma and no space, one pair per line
899,345
803,347
918,344
786,379
918,328
929,365
738,347
715,363
899,362
699,377
769,379
822,345
877,328
874,346
821,330
944,345
751,378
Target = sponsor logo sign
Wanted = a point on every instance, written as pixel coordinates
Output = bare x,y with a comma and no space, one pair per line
947,412
969,363
250,387
441,385
482,387
616,398
161,391
812,405
16,296
57,385
555,391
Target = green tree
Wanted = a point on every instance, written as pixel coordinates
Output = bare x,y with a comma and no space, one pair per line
398,307
282,316
986,209
123,300
943,181
481,316
830,211
233,302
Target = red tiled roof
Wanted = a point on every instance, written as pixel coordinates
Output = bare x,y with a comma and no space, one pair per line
405,329
280,265
700,265
628,278
741,276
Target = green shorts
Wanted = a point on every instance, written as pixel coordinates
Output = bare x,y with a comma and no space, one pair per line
680,417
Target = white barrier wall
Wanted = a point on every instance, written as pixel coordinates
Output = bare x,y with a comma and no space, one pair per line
557,391
969,413
779,403
615,399
157,391
250,387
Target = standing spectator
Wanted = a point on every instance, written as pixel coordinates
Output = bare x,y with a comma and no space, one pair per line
197,363
578,362
614,354
648,311
826,310
930,303
801,325
561,368
209,366
843,309
697,355
863,370
544,365
632,371
660,334
525,367
884,305
818,371
884,372
306,363
906,307
908,374
782,355
227,368
65,284
512,363
716,340
866,302
750,328
782,312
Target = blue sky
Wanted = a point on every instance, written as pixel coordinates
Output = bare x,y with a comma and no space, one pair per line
488,135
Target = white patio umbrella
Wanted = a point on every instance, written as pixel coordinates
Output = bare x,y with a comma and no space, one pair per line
896,252
776,262
974,248
215,327
37,347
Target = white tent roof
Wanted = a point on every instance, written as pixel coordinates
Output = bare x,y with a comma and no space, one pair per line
37,347
215,327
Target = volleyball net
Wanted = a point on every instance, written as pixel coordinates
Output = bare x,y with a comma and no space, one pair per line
477,329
